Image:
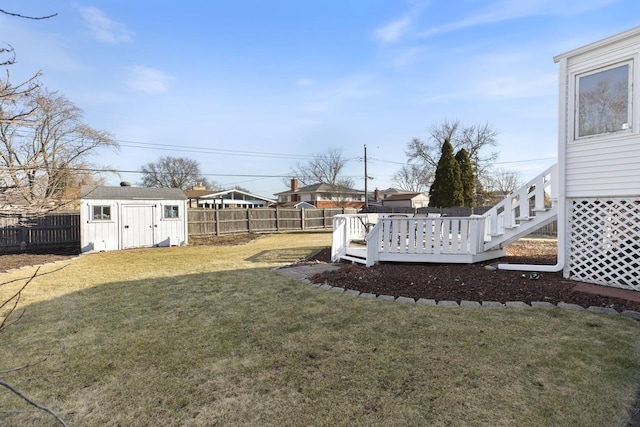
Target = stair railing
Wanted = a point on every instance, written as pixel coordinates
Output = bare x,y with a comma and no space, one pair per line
536,196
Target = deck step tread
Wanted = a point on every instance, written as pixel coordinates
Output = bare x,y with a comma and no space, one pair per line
353,259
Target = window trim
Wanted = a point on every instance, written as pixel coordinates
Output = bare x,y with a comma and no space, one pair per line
631,128
171,218
101,219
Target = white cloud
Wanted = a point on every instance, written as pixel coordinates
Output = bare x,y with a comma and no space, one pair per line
148,80
398,29
394,31
103,28
335,95
506,10
515,87
304,82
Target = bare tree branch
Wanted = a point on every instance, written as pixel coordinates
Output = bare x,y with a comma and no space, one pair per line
37,18
413,177
174,172
19,368
31,402
14,299
476,139
13,302
43,141
324,168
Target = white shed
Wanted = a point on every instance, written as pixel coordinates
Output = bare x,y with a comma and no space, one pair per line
599,161
126,217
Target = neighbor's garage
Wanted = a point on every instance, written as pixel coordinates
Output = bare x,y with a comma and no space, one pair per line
126,217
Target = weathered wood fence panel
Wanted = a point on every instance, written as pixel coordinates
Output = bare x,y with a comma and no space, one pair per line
232,221
59,230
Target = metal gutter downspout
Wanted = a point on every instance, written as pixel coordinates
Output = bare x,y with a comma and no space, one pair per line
545,268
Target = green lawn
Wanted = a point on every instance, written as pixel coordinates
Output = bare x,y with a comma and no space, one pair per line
203,336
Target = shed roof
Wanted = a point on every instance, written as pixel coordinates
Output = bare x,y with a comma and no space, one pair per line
131,193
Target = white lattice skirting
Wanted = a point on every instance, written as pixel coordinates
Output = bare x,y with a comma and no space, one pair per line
604,242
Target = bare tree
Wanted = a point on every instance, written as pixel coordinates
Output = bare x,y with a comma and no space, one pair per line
46,147
15,112
173,172
324,168
475,139
413,177
505,181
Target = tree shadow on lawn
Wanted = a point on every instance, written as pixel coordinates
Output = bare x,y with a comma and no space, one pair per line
167,350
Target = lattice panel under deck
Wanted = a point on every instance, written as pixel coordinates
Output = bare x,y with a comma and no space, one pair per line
604,242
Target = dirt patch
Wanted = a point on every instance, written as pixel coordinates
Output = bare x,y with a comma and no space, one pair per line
225,240
13,260
470,282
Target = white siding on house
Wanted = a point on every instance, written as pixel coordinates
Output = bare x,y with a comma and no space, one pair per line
603,169
605,164
599,177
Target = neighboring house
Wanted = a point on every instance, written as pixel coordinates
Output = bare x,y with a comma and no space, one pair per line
113,218
322,196
223,199
380,195
296,205
406,200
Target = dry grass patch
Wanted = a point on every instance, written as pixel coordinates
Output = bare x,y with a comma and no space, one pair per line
210,336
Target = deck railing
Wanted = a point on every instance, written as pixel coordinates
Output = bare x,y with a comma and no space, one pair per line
527,204
419,238
416,238
408,238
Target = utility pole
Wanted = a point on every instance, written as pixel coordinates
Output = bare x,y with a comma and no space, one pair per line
366,181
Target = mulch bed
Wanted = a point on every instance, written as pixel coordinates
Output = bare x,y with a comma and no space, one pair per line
471,282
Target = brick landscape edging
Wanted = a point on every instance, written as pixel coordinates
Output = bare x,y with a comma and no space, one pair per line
475,304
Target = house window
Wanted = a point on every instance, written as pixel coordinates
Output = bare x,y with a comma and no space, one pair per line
171,211
604,101
101,213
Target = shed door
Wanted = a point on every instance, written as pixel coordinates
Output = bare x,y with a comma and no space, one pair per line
137,226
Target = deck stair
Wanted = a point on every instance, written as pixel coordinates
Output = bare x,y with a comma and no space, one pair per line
371,238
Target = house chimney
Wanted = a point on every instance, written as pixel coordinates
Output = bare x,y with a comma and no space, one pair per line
294,188
376,195
125,184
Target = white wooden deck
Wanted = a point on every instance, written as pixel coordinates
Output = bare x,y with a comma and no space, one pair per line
373,238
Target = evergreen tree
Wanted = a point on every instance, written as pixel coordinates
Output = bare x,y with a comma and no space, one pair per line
468,180
446,190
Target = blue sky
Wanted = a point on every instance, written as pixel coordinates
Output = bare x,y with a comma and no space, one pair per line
248,88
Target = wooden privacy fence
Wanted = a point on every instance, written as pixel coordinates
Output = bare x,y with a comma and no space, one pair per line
231,221
52,230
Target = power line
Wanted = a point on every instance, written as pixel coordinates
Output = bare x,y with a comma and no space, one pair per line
195,149
192,148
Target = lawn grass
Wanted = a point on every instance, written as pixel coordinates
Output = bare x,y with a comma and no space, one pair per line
202,336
